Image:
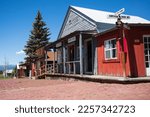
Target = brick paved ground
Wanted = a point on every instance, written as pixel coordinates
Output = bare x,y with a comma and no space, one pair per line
60,89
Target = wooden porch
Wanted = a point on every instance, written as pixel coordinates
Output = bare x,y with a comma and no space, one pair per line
52,69
53,74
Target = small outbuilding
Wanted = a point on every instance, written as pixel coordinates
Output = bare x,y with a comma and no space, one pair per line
45,62
21,70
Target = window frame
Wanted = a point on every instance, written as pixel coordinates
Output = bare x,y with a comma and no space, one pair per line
110,49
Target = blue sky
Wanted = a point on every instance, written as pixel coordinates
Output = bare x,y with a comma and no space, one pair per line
17,16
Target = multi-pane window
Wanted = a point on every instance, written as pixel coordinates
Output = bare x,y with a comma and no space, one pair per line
110,49
147,50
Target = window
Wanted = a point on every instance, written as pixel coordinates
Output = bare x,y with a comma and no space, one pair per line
110,49
147,50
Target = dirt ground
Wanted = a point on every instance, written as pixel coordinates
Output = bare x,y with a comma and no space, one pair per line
26,89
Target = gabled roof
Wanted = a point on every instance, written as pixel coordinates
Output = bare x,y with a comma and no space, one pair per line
102,16
127,26
99,20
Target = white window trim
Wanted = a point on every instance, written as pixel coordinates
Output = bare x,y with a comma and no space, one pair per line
144,49
146,36
111,58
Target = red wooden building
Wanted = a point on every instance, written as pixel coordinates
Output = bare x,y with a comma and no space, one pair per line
21,70
124,51
46,61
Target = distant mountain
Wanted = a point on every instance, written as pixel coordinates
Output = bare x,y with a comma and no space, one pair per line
8,67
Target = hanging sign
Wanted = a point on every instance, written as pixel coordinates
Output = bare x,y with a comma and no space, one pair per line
122,17
118,14
58,44
71,39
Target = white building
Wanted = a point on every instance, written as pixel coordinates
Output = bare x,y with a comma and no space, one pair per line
7,72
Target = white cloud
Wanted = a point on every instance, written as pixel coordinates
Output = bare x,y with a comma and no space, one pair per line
20,52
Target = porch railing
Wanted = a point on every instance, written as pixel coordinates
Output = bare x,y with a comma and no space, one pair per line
51,68
72,66
40,71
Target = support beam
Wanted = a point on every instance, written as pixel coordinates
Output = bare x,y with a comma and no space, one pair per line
74,67
64,58
69,68
81,54
54,61
45,61
95,57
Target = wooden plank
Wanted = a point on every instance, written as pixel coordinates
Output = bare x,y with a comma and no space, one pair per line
81,56
46,62
69,68
74,67
54,62
75,22
64,58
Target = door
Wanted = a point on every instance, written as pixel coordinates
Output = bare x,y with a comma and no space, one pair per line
147,54
71,52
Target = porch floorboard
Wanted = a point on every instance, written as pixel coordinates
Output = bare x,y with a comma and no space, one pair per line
97,78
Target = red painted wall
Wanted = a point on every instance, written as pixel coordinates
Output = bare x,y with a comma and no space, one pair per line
21,73
135,63
112,67
136,49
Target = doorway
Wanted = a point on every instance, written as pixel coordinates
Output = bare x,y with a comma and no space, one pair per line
71,53
71,57
89,57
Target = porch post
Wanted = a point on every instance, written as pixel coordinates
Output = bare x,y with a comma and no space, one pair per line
81,57
64,58
54,61
74,67
123,53
46,61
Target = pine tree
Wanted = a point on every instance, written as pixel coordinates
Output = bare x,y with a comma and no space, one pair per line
39,37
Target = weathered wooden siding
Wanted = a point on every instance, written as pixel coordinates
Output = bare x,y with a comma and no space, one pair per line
75,22
112,67
136,50
135,61
40,51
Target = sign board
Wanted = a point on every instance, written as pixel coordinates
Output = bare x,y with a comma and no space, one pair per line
120,12
22,67
122,17
59,44
71,39
118,15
